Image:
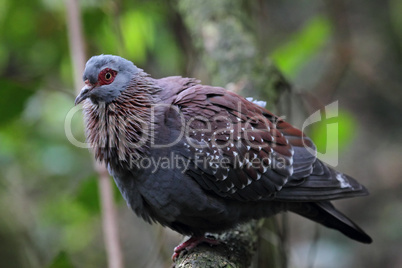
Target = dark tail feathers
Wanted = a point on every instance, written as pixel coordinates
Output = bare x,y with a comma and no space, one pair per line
326,214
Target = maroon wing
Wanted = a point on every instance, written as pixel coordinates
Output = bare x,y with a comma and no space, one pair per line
241,150
238,148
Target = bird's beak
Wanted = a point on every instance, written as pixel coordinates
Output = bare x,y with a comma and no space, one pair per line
84,92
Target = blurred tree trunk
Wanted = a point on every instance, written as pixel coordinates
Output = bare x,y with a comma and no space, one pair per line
109,222
228,49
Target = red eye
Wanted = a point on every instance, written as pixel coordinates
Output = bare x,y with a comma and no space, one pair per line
106,76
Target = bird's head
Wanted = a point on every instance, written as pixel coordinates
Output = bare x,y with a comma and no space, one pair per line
105,77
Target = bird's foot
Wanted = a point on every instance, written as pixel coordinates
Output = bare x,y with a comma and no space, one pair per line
191,243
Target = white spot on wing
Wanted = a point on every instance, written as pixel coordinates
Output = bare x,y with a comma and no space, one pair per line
341,178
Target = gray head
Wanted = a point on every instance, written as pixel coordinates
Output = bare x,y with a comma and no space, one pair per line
106,76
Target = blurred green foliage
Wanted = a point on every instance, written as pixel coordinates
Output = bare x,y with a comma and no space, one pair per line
38,165
333,135
15,93
61,261
302,46
330,136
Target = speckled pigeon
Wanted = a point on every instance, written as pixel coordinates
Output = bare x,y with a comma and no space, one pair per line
199,158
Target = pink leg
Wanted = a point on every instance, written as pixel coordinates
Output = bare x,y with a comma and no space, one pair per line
191,243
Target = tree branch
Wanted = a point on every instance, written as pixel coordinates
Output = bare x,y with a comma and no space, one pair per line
236,249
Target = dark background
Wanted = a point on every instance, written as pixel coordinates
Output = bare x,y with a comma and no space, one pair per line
329,51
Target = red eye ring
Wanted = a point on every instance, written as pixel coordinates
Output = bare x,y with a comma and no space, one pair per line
106,76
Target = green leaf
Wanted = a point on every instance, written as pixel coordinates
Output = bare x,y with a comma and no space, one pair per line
138,32
62,260
168,55
88,195
334,133
12,99
78,235
75,222
395,9
291,57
